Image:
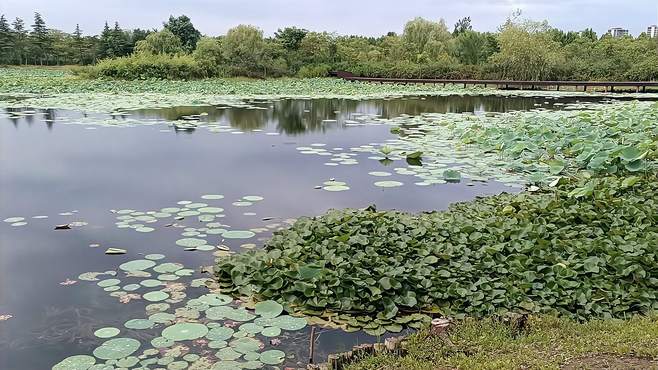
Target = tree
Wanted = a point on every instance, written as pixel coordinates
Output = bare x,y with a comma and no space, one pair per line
426,40
290,37
120,41
183,28
462,26
527,52
318,48
20,40
472,48
243,46
6,41
208,54
78,43
105,44
163,42
39,39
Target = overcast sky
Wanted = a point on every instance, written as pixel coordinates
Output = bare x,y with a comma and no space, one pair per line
364,17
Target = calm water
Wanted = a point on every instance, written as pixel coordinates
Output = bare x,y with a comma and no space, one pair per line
48,167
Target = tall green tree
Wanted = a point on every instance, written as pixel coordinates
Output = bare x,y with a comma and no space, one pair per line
163,42
105,43
462,26
78,44
20,41
183,28
290,37
6,41
40,43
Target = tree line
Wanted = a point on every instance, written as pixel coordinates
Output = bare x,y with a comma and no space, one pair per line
521,49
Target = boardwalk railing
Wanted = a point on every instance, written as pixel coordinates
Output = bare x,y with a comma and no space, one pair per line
532,85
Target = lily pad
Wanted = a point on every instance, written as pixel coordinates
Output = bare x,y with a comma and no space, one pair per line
137,265
77,362
238,234
268,309
155,296
185,331
117,348
388,184
139,324
107,332
272,357
190,242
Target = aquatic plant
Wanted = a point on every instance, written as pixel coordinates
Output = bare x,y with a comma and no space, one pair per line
543,252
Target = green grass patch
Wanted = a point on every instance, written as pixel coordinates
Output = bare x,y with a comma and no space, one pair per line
545,343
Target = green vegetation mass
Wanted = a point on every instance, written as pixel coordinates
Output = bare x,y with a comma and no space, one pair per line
521,50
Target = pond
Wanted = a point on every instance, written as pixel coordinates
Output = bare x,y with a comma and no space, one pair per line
153,181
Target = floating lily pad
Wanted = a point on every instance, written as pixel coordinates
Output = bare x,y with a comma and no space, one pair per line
144,229
245,345
137,265
268,309
238,234
388,184
253,198
212,196
162,317
115,251
155,296
286,322
228,354
213,299
271,332
219,333
13,219
131,287
190,242
335,188
77,362
108,282
117,348
379,174
272,357
139,324
162,342
151,283
211,210
168,267
185,331
107,332
154,257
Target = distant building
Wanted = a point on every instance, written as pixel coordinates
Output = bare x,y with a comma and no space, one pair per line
652,31
618,32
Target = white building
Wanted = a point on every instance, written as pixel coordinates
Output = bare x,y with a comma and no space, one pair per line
652,31
618,32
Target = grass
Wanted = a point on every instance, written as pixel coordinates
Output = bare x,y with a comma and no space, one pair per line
545,343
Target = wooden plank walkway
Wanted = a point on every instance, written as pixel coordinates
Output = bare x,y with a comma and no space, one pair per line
609,86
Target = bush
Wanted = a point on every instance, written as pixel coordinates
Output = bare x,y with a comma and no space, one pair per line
319,70
145,66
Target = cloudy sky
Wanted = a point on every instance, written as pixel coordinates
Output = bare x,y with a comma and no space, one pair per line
366,17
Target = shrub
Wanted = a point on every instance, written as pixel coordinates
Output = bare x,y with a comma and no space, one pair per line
145,66
318,70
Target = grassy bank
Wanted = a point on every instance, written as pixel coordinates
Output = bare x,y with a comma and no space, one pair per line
545,343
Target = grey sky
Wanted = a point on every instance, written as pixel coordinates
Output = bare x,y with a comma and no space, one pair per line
365,17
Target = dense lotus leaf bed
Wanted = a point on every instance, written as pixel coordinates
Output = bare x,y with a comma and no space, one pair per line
518,148
553,251
42,88
210,331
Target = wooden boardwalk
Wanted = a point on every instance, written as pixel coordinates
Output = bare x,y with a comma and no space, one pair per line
608,86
